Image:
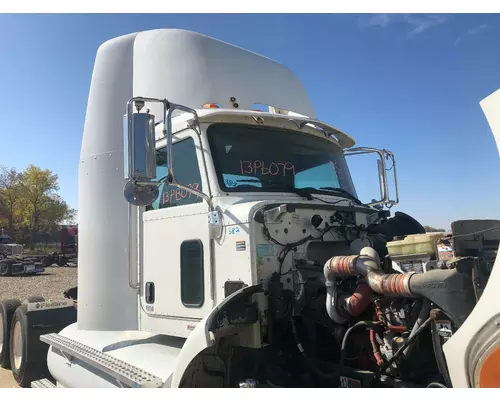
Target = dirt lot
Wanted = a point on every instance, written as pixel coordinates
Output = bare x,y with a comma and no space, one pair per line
6,380
50,285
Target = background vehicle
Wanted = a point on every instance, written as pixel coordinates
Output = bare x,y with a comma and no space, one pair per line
13,262
8,247
68,242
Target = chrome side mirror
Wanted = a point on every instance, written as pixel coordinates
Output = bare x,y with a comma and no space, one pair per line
384,155
141,193
140,151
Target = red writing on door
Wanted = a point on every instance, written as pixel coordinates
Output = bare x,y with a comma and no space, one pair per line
262,168
178,194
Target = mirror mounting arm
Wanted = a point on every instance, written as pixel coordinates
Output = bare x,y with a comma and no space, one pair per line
171,181
169,134
384,187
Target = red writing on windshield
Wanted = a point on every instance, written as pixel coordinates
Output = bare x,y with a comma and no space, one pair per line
259,167
178,193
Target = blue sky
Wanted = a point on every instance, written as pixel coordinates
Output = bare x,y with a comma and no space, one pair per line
408,83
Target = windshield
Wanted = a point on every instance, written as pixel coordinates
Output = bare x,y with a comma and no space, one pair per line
265,159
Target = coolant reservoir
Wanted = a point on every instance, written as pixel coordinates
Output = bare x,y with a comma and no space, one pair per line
415,244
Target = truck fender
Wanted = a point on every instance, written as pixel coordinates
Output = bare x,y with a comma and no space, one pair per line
203,335
473,337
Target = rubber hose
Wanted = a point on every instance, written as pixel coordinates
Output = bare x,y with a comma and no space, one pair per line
424,313
375,348
357,325
436,385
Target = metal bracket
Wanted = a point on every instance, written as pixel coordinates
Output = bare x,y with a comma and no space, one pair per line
384,187
215,224
274,213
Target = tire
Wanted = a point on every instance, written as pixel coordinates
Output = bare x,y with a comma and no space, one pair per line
46,261
71,293
28,354
7,308
34,299
6,266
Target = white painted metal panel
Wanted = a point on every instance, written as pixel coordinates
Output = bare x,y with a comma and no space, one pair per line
106,302
192,69
164,231
456,348
157,355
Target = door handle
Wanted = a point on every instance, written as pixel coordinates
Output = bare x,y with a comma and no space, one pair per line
150,292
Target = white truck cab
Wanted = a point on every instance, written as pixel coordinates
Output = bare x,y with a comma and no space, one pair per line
241,255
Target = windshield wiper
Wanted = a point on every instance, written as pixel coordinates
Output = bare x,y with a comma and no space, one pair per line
290,188
283,186
303,192
343,191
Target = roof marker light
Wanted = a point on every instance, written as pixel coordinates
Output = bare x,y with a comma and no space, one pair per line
211,105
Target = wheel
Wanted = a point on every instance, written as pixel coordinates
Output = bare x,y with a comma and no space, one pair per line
7,308
34,299
6,267
46,261
71,293
28,354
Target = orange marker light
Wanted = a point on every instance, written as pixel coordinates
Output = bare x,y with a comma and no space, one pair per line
489,375
210,105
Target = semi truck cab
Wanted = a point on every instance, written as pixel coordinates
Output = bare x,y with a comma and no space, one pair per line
241,255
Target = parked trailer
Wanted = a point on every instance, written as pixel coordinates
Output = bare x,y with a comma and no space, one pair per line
68,242
8,247
251,240
13,262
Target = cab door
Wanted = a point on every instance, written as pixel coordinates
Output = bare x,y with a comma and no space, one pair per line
176,268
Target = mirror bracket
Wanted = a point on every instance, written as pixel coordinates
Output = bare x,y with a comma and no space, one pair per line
384,155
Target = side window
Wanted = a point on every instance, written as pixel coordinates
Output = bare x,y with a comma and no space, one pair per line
192,282
186,172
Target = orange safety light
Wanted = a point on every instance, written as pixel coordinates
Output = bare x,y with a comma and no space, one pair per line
489,372
484,357
211,105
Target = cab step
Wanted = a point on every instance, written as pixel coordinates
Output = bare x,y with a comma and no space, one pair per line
42,384
125,373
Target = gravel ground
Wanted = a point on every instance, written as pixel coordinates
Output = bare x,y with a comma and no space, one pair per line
50,285
7,381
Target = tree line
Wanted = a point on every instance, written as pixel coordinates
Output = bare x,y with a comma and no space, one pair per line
432,229
30,205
